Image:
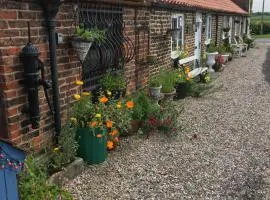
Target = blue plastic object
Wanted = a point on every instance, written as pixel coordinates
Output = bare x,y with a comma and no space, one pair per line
11,163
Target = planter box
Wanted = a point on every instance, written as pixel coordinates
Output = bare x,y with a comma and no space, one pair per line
93,150
68,173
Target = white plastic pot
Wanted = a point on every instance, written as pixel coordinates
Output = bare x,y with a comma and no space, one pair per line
211,60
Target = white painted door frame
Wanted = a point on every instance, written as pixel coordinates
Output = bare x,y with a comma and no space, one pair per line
198,37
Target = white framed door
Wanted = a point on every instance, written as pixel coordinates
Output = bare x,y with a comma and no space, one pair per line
231,27
198,37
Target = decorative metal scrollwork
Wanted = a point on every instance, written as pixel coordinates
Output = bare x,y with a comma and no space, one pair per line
117,48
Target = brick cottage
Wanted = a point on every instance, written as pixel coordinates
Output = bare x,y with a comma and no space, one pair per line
144,28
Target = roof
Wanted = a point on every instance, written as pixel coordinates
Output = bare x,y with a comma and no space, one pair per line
214,5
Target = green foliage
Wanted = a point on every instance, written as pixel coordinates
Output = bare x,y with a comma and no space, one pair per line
227,46
143,107
121,116
221,49
83,112
162,118
113,81
182,54
198,89
65,153
255,27
211,48
89,35
248,41
33,184
154,81
168,80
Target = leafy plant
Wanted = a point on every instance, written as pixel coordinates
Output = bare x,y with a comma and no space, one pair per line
121,115
211,48
144,106
248,41
113,81
33,183
163,119
89,35
83,111
219,62
65,152
168,80
182,54
154,82
221,49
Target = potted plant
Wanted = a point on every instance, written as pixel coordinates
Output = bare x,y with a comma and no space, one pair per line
155,87
113,84
168,80
211,55
224,54
182,82
83,39
91,133
140,112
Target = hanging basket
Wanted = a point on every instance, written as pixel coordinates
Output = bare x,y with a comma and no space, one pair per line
82,47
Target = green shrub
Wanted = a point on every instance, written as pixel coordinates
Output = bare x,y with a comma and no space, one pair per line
66,151
33,183
143,107
255,28
168,80
154,82
112,81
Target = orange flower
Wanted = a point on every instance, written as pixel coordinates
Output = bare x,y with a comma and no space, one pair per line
110,145
103,99
99,135
93,124
130,104
109,124
114,132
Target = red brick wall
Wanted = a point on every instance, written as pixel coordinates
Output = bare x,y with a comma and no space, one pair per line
13,22
13,33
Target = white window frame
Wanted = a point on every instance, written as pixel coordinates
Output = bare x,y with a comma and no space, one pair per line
208,27
225,24
245,25
174,52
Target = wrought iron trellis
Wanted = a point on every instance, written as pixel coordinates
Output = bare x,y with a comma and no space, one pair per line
115,51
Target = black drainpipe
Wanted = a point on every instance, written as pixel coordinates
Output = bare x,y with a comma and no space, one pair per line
216,29
51,8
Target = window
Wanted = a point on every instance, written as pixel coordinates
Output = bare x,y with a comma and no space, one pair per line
208,27
245,25
178,32
237,25
226,22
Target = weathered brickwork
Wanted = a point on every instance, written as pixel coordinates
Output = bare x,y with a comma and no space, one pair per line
13,33
147,28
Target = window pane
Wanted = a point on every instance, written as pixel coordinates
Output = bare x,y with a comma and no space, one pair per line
174,45
180,44
174,23
180,21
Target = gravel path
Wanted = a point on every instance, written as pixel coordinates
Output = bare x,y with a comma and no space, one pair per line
228,160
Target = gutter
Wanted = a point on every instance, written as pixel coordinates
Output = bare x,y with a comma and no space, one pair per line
50,10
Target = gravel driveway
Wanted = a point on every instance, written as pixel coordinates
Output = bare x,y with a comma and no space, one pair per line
228,160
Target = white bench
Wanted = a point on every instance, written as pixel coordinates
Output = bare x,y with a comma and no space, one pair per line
195,72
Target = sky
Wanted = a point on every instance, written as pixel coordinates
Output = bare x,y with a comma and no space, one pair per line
257,5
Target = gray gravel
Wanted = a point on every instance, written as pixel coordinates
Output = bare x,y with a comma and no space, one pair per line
228,160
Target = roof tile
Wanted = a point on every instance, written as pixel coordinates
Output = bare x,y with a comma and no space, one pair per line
215,5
